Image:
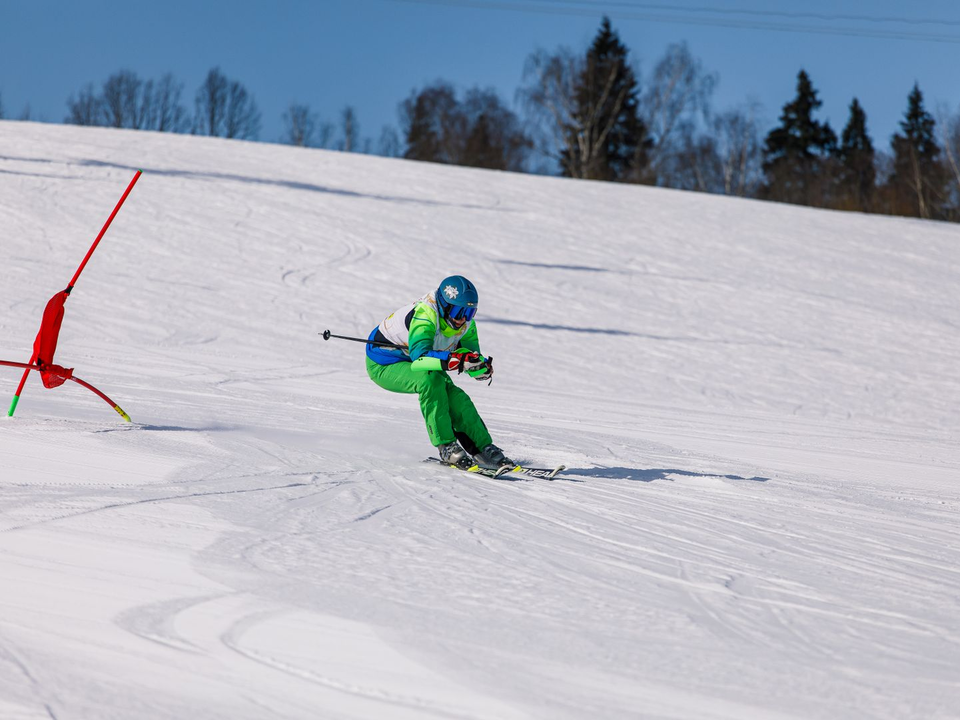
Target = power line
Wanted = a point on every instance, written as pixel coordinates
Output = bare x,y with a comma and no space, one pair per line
584,8
763,13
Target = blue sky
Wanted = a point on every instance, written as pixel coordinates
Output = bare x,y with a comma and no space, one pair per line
371,53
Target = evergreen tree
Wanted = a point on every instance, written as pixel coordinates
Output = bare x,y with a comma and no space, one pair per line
425,117
606,139
917,186
481,147
856,184
797,153
495,138
478,132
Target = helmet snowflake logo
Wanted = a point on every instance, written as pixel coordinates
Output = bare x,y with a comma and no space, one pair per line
451,292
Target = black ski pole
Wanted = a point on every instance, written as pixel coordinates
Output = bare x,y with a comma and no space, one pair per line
327,335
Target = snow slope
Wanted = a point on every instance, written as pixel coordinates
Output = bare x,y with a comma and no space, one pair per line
759,406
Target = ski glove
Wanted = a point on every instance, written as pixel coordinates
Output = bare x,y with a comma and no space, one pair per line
484,372
465,360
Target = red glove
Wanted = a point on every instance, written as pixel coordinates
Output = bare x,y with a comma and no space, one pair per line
465,360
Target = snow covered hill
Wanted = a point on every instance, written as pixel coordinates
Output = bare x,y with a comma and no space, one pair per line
759,406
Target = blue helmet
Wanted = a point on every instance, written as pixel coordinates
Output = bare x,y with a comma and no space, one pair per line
457,298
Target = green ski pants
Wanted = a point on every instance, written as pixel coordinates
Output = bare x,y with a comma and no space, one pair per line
448,411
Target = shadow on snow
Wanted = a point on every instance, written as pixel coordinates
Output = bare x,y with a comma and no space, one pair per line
568,328
168,428
552,266
292,184
651,474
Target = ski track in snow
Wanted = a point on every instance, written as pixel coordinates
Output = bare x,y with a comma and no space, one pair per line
756,404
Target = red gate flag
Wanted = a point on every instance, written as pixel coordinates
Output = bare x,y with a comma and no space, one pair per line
46,343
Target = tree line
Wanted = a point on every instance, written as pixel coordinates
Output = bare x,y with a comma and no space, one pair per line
590,115
222,107
597,122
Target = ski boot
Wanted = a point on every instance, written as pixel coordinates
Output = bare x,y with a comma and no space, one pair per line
453,454
492,457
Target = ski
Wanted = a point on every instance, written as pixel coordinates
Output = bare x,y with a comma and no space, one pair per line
546,473
504,473
474,468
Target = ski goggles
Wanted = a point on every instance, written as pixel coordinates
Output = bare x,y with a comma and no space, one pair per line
456,312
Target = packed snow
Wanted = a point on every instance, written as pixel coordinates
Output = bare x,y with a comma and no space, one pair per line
758,406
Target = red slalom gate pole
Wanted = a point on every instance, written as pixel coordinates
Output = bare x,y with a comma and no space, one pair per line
103,231
88,386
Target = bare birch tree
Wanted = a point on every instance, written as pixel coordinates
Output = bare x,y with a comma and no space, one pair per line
224,108
677,100
85,109
169,113
126,101
950,141
211,104
389,145
325,133
299,125
121,99
549,96
242,118
351,130
737,133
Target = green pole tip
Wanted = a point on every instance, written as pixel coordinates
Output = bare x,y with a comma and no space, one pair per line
13,405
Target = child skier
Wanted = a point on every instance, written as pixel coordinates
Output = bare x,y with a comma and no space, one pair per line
438,336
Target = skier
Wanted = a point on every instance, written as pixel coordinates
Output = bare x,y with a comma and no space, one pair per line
439,336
